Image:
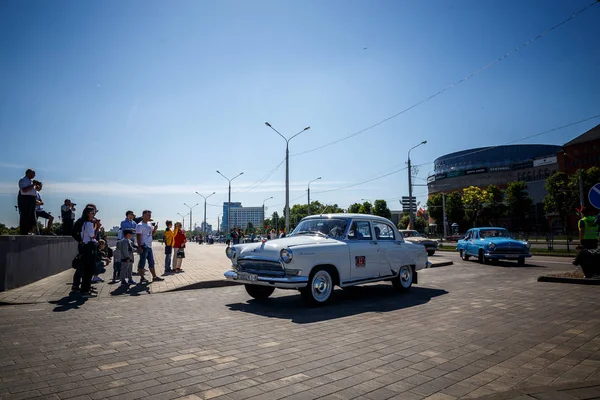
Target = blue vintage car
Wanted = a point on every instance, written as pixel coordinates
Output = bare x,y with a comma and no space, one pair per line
492,244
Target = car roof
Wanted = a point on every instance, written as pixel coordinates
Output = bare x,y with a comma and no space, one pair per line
349,215
491,228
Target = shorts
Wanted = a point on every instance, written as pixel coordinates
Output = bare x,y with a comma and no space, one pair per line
43,214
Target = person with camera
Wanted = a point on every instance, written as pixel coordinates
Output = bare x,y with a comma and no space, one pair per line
144,233
67,212
89,249
26,200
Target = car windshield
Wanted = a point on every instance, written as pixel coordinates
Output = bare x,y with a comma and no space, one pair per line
409,234
490,233
330,227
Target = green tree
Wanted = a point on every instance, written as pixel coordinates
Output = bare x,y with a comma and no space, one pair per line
435,208
474,199
518,202
354,208
455,211
495,208
4,230
591,176
404,221
366,208
420,224
381,209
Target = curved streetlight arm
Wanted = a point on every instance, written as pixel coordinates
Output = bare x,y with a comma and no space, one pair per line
305,129
276,131
268,198
414,147
313,181
241,173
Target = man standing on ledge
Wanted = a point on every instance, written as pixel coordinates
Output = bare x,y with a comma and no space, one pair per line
588,230
144,232
27,202
67,212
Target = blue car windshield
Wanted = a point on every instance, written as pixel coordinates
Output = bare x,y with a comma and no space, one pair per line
491,233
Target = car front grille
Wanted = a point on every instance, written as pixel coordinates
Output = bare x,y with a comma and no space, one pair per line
511,250
261,267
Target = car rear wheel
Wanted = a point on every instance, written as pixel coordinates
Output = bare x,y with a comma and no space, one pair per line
463,255
404,279
431,252
319,289
259,292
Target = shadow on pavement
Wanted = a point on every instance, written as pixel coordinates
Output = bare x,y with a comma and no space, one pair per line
344,303
131,290
70,302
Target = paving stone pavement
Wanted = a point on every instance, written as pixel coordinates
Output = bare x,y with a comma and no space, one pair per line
466,331
204,266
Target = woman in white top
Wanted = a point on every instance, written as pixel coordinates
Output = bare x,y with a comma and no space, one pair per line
90,248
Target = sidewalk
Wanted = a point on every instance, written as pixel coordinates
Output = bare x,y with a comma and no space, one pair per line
203,267
565,391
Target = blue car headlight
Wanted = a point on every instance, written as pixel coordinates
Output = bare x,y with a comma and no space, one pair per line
230,252
528,245
286,255
491,246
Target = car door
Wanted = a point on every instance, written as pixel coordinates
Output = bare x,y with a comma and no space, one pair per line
472,243
364,252
390,249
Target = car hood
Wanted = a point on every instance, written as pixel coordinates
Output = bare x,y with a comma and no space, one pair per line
505,242
271,248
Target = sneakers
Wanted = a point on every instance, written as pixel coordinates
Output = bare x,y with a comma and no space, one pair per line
132,282
157,279
143,280
96,279
124,283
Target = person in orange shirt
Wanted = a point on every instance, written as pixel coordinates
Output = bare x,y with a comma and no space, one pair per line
169,236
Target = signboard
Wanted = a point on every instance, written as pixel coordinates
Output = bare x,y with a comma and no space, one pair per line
594,195
454,173
545,161
495,169
475,171
526,164
440,176
431,179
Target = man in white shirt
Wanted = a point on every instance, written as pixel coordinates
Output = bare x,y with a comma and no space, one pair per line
27,201
144,232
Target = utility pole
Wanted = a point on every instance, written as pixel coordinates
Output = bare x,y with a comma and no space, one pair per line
229,198
309,193
205,197
191,208
444,214
410,204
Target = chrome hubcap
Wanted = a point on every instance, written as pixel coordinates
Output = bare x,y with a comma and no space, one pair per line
321,286
405,276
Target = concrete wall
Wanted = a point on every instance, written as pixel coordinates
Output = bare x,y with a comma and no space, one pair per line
26,259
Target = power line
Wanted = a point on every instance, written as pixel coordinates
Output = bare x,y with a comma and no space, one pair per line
466,78
363,182
260,181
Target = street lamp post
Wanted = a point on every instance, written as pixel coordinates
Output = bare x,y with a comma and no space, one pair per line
183,218
191,208
309,193
229,198
268,198
410,205
287,173
205,197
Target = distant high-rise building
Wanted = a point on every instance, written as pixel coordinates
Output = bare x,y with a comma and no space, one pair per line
240,216
224,222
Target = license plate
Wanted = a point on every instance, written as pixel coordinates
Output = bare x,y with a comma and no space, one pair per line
244,276
512,256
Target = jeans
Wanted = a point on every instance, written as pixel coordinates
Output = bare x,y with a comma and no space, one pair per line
100,269
168,251
116,269
147,254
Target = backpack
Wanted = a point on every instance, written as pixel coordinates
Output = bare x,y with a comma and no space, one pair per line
77,228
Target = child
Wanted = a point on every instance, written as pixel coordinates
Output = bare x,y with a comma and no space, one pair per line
102,260
125,249
169,236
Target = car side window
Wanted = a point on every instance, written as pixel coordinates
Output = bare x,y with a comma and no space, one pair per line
360,230
468,235
475,235
384,231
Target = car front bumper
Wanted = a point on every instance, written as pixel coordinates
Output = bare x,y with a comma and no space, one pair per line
506,256
288,282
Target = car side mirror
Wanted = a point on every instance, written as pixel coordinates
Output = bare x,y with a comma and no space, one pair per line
350,234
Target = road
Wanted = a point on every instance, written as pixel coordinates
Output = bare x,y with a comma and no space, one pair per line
465,331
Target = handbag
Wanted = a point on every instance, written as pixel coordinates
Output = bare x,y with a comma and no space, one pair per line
180,253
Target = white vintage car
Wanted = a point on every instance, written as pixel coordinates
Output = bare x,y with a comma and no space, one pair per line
324,251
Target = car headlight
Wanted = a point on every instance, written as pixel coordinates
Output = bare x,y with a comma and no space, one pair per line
286,255
230,252
528,245
492,246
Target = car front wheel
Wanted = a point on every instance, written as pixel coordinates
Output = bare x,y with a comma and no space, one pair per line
463,255
259,292
319,289
404,279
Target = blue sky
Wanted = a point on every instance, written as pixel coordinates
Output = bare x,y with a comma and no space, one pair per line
134,105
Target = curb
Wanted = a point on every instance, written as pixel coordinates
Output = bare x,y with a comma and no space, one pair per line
577,281
441,264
